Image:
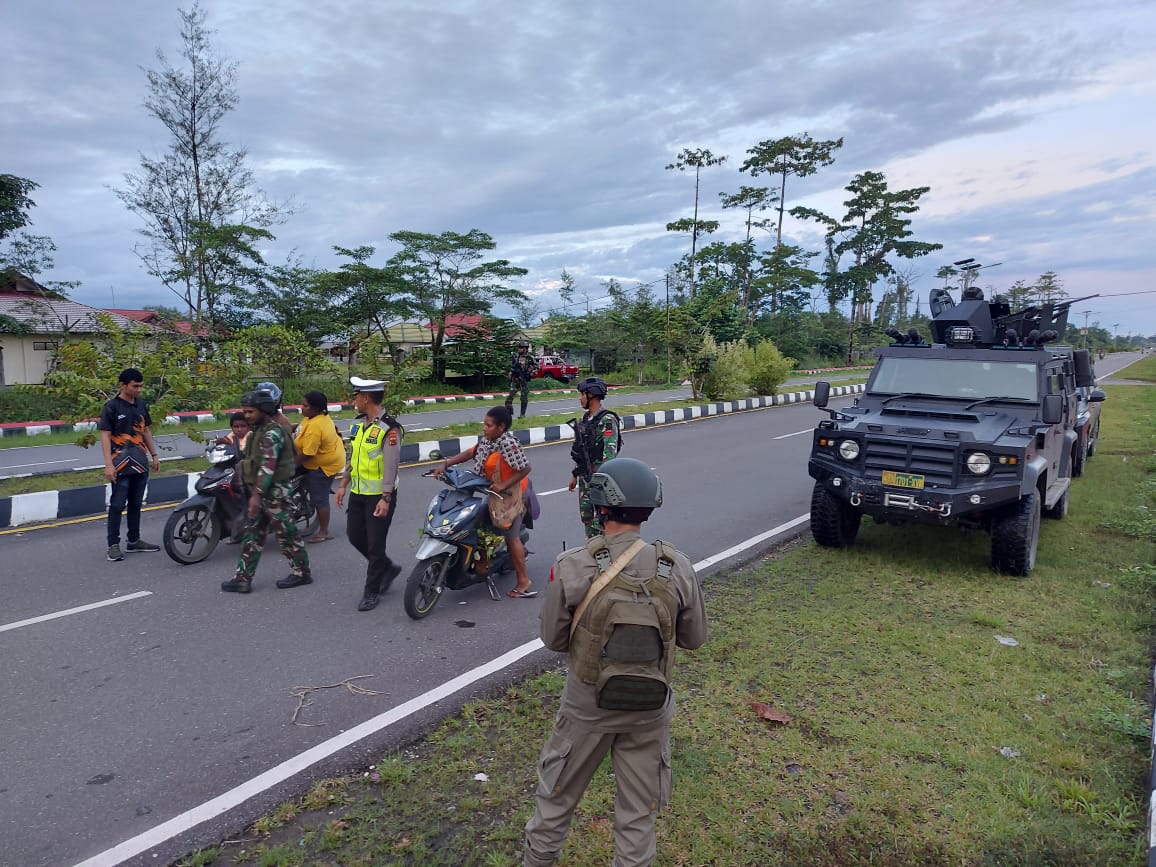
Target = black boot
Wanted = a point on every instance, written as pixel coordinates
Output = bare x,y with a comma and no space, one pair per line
370,597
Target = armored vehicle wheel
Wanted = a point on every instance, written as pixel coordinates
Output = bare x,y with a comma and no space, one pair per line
1060,510
834,523
1015,536
1079,458
1093,439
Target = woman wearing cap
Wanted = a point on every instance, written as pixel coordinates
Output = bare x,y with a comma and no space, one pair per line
321,453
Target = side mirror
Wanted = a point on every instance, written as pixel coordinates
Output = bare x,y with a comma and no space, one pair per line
1052,410
1096,395
822,393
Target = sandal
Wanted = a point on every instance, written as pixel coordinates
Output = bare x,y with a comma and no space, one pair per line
318,538
522,594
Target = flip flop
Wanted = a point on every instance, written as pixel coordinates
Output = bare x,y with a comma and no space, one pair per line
314,539
522,594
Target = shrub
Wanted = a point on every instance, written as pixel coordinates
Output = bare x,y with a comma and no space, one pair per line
728,375
766,367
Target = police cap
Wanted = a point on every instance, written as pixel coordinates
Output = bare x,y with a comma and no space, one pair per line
360,384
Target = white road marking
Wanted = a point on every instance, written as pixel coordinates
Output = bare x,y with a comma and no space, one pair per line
38,464
795,434
555,491
80,608
280,773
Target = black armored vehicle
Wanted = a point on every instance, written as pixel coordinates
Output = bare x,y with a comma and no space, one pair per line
978,428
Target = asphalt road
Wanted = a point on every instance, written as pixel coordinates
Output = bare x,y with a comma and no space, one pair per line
31,458
118,718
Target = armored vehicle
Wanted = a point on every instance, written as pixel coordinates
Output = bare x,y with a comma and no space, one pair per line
977,429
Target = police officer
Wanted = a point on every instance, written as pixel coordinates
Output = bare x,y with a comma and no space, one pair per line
267,468
372,484
597,439
522,367
591,721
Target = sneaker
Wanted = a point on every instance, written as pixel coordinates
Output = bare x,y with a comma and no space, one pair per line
236,585
293,581
368,602
142,545
114,553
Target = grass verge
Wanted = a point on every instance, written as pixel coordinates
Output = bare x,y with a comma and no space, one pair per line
916,736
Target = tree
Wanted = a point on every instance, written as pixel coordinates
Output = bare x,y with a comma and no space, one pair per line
366,299
197,200
793,156
15,203
698,160
484,349
874,228
445,274
1049,288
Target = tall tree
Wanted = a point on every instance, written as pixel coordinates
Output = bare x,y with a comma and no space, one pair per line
199,185
793,156
15,203
446,274
697,159
1049,288
875,227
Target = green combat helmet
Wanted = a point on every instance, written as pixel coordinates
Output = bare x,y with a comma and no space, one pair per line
626,483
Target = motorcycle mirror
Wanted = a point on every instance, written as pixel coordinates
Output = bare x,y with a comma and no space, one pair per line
573,423
435,455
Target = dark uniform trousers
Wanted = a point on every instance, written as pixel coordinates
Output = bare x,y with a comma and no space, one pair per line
368,535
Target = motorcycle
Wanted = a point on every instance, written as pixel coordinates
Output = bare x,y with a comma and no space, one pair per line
458,547
218,508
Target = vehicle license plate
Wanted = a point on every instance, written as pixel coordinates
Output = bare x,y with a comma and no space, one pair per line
903,480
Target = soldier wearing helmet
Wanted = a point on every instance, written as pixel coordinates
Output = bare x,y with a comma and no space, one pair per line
267,468
618,607
597,439
279,415
523,365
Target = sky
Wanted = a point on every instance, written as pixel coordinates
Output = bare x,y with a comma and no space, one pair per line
548,125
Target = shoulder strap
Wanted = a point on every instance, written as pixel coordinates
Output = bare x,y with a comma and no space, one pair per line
666,553
604,579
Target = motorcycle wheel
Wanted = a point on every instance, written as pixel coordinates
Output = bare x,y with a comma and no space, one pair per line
425,585
191,536
304,515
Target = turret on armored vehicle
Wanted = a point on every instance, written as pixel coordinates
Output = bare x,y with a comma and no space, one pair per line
978,428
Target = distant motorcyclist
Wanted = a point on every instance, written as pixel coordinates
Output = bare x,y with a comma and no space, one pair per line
597,439
523,365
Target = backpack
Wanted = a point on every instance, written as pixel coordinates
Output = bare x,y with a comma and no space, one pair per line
623,637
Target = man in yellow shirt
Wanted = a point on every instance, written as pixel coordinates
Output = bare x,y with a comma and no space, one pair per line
321,453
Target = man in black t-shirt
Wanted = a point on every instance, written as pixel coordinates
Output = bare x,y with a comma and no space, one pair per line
127,443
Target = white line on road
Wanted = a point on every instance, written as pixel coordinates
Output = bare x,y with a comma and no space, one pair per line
80,608
280,773
555,491
795,434
37,464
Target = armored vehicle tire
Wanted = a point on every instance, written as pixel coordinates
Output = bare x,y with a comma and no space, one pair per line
1060,510
834,523
1015,536
1079,458
1093,439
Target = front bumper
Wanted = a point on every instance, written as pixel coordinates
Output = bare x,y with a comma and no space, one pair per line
929,505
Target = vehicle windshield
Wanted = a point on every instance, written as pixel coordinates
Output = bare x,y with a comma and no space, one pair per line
954,377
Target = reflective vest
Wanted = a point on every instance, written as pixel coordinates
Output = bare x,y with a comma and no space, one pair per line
366,464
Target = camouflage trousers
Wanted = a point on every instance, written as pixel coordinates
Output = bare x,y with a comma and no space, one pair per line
518,387
277,516
586,510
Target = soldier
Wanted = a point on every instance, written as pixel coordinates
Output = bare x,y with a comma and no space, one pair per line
522,368
372,481
618,607
267,469
597,438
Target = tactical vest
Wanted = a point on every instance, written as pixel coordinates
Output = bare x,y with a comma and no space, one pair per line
252,460
366,466
624,644
586,450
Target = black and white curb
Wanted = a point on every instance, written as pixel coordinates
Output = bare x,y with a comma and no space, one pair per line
93,499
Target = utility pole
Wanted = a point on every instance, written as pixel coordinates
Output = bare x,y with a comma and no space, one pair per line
668,328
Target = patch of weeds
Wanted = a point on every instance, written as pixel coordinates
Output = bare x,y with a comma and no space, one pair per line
988,621
1075,796
200,859
285,855
325,794
1132,723
1140,579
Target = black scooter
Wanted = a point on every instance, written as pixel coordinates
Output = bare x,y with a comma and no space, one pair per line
458,548
218,508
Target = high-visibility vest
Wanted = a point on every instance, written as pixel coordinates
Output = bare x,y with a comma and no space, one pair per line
366,465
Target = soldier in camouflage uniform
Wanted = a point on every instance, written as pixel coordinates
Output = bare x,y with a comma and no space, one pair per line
267,468
597,439
522,367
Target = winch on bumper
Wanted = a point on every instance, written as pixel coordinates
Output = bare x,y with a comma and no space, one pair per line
933,506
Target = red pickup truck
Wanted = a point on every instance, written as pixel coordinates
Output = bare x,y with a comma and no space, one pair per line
556,367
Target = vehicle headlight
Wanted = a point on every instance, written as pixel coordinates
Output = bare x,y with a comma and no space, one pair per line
849,450
979,463
441,532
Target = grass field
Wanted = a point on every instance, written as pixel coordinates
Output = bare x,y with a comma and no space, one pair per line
919,734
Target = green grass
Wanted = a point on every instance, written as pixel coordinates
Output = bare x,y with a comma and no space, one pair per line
916,737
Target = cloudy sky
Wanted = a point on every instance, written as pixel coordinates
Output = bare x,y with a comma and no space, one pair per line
548,126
